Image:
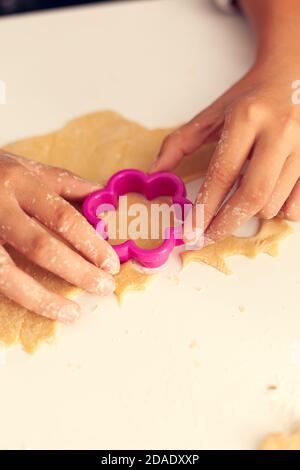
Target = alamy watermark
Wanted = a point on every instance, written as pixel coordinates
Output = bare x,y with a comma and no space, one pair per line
2,92
151,221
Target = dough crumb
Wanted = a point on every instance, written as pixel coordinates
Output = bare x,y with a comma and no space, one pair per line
281,441
272,387
198,289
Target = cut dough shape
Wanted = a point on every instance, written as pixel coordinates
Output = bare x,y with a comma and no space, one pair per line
265,241
281,441
95,146
130,278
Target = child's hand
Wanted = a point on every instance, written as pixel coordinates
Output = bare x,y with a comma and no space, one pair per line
31,192
255,120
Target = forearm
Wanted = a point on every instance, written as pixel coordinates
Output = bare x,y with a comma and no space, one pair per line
277,27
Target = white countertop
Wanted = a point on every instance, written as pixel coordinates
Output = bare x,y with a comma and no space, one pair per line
179,366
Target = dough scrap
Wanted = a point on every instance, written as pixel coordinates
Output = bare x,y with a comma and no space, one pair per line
130,278
265,241
281,441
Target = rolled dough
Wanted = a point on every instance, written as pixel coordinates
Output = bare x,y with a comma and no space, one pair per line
95,146
265,241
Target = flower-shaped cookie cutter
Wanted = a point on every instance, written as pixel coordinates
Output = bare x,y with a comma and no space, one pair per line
151,186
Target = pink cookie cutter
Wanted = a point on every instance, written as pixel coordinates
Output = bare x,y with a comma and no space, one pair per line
150,186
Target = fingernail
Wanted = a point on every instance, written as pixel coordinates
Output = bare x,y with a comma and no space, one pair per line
68,313
104,285
111,263
193,237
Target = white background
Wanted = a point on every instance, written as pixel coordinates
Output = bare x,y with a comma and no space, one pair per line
179,366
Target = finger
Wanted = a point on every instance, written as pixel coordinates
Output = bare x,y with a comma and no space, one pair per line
255,190
291,208
28,237
61,217
24,290
226,165
187,139
61,181
283,188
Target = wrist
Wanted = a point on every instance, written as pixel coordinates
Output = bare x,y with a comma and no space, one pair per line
277,64
278,46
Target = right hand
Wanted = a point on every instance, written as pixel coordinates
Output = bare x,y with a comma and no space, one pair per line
255,169
32,196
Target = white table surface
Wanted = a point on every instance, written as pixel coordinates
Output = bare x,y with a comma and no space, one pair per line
179,366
